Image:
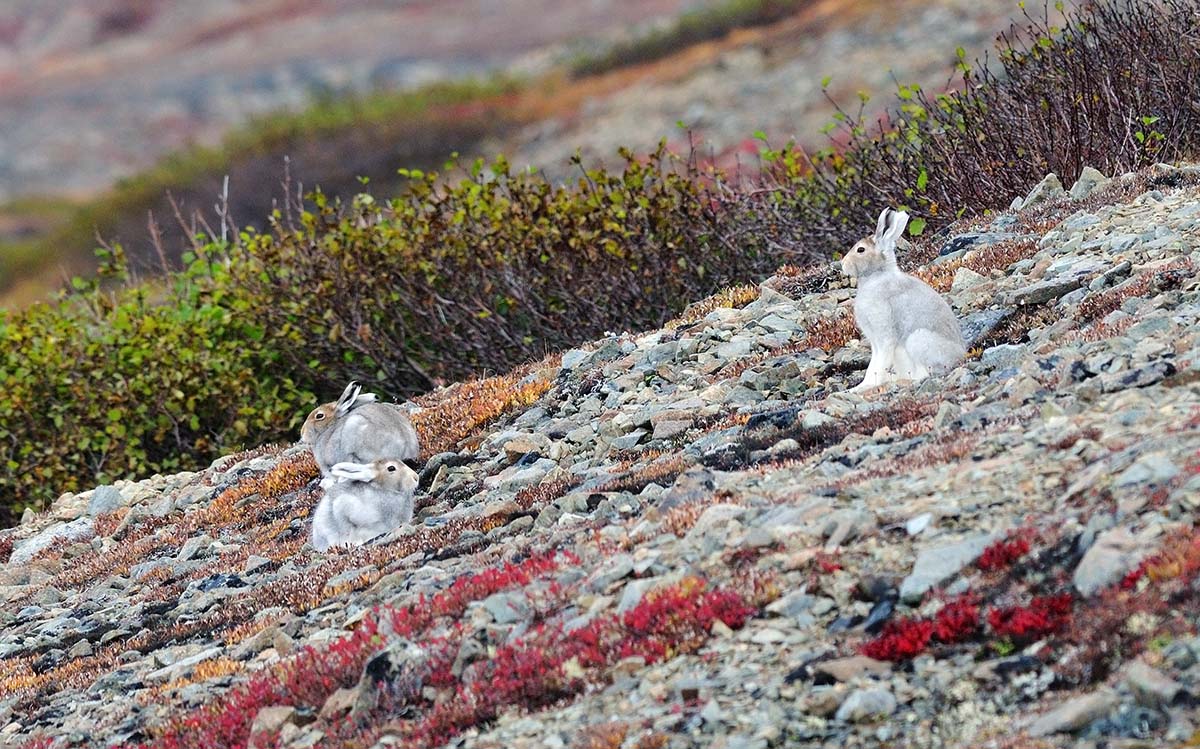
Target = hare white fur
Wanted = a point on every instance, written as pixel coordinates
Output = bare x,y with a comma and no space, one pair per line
358,429
912,331
363,501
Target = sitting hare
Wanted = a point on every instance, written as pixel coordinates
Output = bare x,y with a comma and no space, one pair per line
912,331
362,502
358,429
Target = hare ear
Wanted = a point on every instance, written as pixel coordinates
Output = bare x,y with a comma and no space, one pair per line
353,472
896,226
882,225
346,402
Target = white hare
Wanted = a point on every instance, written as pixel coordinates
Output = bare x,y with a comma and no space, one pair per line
363,501
358,429
912,331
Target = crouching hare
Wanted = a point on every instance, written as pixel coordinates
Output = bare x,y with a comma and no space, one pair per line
912,331
358,429
363,501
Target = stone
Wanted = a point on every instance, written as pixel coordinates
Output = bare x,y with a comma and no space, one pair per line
268,721
1074,714
665,430
936,564
964,279
105,499
1114,553
1152,687
1050,188
1090,180
853,667
865,705
1153,468
634,591
76,530
508,607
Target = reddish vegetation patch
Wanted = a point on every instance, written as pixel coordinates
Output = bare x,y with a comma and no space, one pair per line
308,678
900,640
957,621
1043,616
1001,554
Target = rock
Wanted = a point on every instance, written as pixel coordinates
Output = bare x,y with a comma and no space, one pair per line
400,671
965,278
918,524
634,591
1074,714
854,667
1050,188
937,564
665,430
105,499
508,607
1152,687
1048,290
866,704
526,444
1153,468
268,721
1113,554
575,358
182,667
76,530
195,547
1089,181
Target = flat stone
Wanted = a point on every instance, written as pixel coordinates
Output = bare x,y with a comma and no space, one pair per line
1047,290
667,429
76,530
105,499
1113,554
1153,468
1152,687
508,607
866,704
937,564
1075,714
848,669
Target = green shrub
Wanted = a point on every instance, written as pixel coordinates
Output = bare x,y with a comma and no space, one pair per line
453,279
104,385
1113,88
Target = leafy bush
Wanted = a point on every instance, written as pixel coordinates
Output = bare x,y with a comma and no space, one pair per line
1113,88
450,280
104,385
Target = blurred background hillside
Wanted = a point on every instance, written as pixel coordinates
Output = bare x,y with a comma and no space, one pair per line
106,107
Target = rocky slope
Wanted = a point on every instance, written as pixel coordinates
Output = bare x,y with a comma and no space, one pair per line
696,536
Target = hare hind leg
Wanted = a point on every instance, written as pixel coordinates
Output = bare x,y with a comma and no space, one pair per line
931,352
908,368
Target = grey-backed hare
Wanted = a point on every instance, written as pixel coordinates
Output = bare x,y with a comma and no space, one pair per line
912,331
358,429
363,501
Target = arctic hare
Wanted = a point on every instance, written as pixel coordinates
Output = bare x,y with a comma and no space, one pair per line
358,429
362,502
912,331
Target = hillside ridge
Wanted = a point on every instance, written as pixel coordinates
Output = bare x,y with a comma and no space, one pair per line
695,536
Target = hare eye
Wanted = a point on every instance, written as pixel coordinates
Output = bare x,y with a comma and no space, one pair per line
862,250
318,417
391,469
